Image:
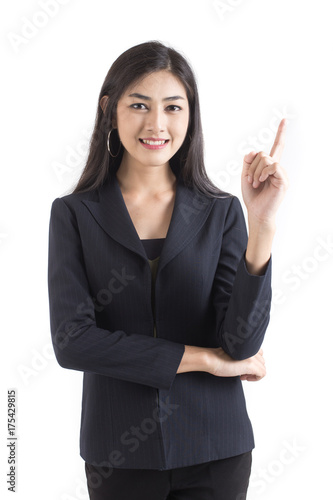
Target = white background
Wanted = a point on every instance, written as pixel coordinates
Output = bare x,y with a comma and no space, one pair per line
256,61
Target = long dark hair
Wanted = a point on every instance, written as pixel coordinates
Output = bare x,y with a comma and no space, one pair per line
130,67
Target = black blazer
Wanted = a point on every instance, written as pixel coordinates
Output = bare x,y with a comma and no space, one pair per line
136,412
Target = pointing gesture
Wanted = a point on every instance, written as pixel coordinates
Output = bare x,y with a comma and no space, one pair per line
280,137
264,181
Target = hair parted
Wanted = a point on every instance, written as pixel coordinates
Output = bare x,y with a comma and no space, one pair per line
129,68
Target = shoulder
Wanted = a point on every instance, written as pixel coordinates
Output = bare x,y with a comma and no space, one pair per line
227,205
227,216
73,201
73,198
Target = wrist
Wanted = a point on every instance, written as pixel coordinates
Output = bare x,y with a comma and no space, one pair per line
259,245
194,359
261,227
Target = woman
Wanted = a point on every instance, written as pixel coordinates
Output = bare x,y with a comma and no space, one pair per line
157,293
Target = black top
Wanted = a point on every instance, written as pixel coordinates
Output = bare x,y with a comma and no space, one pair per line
153,247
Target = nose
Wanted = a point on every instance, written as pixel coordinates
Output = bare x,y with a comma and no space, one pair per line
155,121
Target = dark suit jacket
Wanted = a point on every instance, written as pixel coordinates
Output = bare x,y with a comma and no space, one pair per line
136,412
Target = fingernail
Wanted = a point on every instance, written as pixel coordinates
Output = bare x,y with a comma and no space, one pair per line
249,178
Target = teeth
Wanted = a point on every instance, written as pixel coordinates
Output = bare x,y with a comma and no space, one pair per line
153,143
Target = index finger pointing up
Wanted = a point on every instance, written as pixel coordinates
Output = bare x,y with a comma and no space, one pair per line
278,145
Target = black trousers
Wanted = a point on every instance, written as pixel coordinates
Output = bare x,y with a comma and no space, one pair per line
225,479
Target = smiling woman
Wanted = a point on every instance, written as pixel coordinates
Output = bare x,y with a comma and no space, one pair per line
158,295
173,99
156,125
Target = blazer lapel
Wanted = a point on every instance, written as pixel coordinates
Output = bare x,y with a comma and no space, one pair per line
190,212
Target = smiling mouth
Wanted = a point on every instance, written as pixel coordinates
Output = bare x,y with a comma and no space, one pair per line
154,143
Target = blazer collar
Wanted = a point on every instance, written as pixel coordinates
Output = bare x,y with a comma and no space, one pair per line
190,212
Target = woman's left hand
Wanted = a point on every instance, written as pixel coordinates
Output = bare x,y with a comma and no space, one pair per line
264,181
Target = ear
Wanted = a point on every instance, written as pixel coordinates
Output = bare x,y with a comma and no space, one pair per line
103,102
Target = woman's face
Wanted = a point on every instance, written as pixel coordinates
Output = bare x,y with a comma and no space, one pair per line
154,110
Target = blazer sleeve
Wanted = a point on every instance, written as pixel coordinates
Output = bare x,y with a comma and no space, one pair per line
242,300
78,343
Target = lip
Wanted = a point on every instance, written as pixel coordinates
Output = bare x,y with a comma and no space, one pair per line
154,138
156,146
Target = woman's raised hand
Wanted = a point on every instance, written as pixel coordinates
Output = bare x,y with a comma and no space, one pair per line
264,181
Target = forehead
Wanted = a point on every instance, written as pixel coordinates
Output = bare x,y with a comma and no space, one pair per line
158,83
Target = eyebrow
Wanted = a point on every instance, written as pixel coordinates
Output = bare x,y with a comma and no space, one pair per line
146,98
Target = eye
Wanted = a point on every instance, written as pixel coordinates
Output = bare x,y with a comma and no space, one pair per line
173,107
137,105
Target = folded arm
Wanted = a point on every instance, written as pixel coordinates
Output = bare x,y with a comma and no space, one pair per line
79,344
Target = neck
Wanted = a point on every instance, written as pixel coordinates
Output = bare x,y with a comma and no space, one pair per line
144,179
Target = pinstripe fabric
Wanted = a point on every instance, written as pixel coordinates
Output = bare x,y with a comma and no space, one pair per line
136,412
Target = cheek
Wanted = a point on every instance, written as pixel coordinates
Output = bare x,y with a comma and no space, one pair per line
129,126
181,128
